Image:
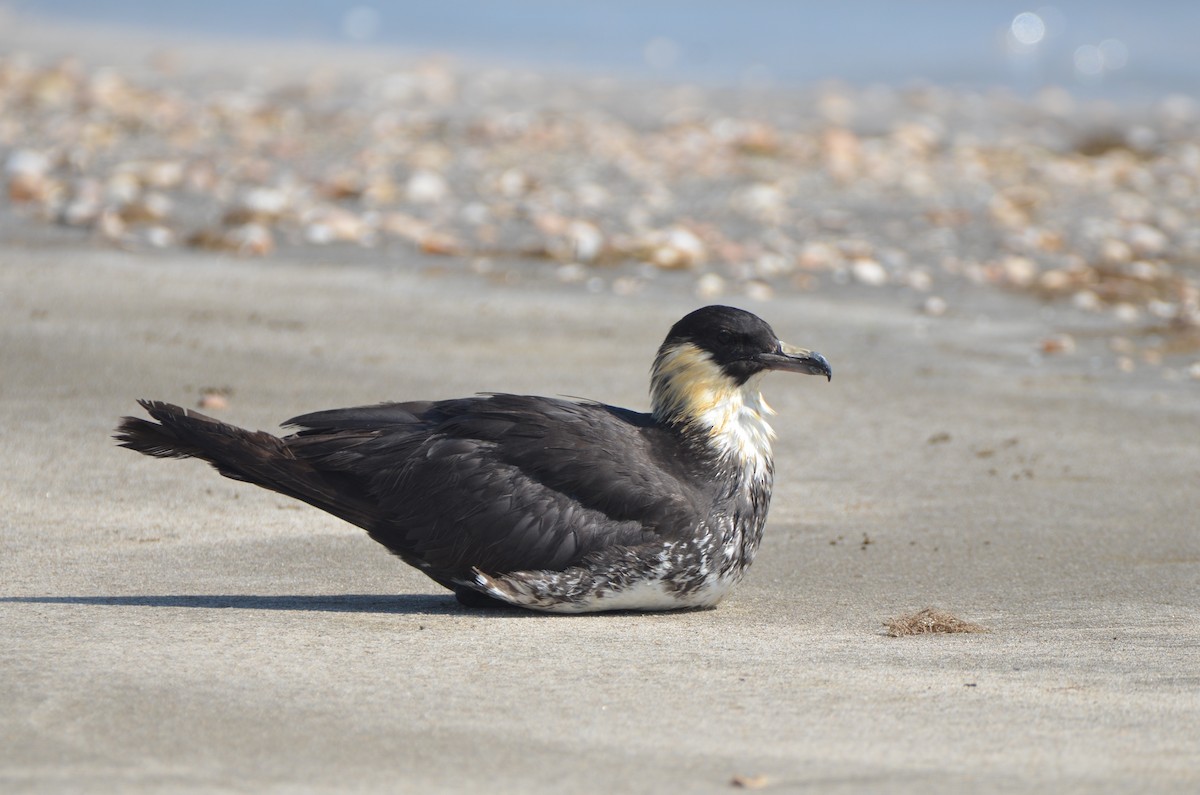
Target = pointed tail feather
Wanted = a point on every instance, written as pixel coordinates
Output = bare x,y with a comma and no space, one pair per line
168,440
180,433
252,456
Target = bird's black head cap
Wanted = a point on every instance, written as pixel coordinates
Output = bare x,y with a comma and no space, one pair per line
741,343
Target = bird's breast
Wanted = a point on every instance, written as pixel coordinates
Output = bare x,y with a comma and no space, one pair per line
738,431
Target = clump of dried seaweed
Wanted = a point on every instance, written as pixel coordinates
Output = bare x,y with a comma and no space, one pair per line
929,621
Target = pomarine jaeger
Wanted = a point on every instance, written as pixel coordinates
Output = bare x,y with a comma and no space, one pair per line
551,504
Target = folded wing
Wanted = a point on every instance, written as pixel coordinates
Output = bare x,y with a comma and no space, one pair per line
504,482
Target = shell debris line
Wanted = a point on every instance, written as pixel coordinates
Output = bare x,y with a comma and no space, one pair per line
929,621
919,192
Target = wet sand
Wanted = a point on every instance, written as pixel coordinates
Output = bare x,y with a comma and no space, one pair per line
1028,465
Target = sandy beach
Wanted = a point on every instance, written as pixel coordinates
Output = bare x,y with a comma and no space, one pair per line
1015,455
171,630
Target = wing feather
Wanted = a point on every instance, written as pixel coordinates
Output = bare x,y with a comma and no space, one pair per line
506,482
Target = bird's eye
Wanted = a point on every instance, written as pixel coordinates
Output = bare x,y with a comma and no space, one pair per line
725,336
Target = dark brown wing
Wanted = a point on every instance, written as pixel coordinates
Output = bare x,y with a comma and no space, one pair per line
505,482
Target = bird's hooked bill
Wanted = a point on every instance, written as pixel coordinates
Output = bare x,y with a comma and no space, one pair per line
797,360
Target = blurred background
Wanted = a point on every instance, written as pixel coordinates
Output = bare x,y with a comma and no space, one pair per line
1098,47
933,153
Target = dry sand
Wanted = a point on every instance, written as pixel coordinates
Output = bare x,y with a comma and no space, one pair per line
166,629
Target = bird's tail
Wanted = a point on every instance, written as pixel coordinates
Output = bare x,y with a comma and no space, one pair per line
252,456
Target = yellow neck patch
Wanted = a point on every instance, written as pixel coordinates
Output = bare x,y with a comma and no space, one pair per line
687,387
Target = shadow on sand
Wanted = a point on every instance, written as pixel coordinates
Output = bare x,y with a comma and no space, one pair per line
405,604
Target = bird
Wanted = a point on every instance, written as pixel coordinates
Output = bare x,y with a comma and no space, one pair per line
558,505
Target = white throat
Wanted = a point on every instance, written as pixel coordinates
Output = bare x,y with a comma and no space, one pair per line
688,387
